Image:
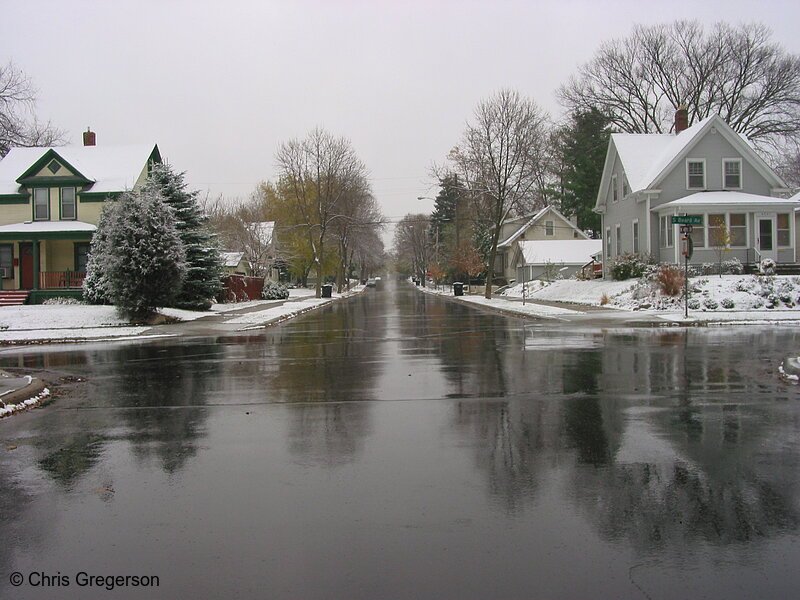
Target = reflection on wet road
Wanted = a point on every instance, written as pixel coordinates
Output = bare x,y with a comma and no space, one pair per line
397,445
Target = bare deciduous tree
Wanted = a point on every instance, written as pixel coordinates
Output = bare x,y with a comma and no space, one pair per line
18,124
734,71
318,172
502,159
412,246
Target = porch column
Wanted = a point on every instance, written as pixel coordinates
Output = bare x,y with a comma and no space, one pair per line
35,264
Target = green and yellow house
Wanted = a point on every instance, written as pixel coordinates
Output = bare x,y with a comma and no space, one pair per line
50,203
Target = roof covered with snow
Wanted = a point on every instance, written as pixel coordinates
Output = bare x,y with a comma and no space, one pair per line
528,222
722,198
569,252
33,227
111,168
231,259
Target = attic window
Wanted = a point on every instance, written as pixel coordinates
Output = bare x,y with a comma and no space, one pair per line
54,166
549,228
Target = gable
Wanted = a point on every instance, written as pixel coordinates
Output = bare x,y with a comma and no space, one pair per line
52,169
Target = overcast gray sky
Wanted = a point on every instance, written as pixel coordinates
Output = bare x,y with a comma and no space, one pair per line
218,84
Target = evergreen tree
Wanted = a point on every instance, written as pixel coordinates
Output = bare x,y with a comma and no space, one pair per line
138,262
584,146
94,284
204,266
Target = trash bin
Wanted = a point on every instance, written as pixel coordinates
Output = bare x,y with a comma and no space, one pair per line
327,290
458,288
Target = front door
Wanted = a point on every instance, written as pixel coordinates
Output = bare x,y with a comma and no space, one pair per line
766,242
26,266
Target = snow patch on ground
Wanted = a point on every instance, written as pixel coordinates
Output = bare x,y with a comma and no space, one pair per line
8,409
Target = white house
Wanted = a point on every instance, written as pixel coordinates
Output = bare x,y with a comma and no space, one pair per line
547,225
706,170
548,259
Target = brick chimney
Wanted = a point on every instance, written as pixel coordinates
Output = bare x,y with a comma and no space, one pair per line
89,138
681,119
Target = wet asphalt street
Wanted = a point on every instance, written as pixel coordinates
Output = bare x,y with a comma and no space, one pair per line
397,445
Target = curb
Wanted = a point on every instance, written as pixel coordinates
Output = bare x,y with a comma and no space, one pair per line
24,398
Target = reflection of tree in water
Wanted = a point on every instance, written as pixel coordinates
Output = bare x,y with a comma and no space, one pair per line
468,342
165,387
75,458
15,530
328,434
330,359
510,439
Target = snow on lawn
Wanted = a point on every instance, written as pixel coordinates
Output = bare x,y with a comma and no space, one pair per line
571,290
528,309
294,294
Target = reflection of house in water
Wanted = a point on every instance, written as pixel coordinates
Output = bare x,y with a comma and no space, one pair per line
663,442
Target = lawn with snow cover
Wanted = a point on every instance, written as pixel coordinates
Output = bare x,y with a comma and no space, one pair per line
729,293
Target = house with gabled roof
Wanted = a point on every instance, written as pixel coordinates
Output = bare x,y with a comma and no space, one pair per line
546,225
50,203
708,171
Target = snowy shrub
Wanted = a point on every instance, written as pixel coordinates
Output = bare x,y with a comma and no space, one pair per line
727,303
710,304
708,269
772,301
670,280
275,291
694,303
61,300
143,261
732,267
94,284
627,266
767,267
757,302
747,285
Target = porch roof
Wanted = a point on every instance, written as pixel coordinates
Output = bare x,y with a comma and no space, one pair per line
733,200
46,230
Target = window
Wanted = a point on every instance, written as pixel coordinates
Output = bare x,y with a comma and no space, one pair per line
696,174
716,231
732,173
68,207
549,228
625,189
636,237
6,261
738,230
608,242
618,233
81,256
665,232
41,204
784,233
614,190
698,234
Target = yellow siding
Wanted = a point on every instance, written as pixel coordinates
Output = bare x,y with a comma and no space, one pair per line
15,213
89,212
58,255
142,178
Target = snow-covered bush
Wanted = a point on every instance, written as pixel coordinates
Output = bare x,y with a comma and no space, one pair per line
694,303
732,267
767,266
727,303
627,266
61,300
708,269
275,291
710,304
747,285
141,263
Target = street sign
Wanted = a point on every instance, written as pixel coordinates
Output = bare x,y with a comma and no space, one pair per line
686,229
687,220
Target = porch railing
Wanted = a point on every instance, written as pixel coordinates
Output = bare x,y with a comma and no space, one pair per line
49,280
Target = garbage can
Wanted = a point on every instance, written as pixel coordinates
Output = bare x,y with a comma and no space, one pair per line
458,288
327,290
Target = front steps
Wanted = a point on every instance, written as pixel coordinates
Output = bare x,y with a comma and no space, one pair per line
13,297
